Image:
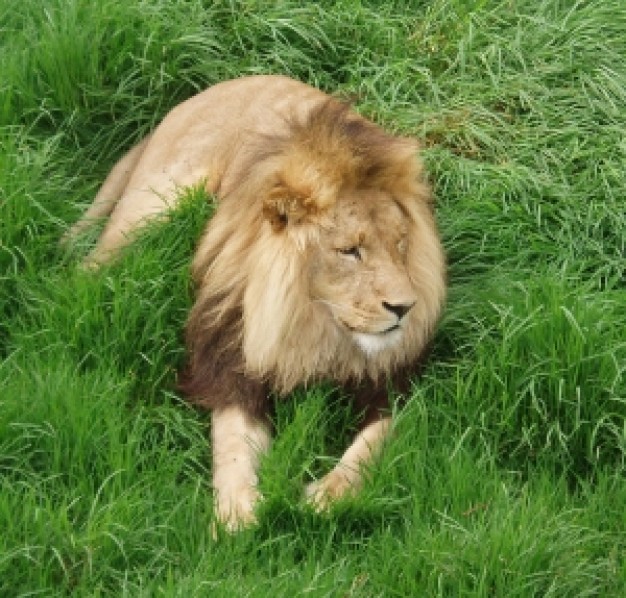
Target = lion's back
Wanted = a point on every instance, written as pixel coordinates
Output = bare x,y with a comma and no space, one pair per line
206,136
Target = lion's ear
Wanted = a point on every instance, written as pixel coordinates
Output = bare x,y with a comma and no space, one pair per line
287,205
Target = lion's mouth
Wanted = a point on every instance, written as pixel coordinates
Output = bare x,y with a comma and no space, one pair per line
356,330
391,329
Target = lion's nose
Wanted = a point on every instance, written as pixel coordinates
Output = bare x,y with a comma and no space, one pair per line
400,309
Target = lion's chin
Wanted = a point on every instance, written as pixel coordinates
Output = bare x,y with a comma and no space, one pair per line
371,344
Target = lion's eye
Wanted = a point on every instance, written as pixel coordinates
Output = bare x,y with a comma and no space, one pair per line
354,252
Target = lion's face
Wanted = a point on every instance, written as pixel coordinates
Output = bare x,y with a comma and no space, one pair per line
358,268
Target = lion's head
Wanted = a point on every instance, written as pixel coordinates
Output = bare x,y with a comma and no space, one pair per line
357,268
323,262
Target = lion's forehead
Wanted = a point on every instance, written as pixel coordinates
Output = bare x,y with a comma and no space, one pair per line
368,217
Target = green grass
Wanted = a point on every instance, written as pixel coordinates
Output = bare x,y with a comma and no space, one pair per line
506,473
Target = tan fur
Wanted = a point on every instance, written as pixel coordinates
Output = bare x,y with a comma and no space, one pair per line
237,442
322,260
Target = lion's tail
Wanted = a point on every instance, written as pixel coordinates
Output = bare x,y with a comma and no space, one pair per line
109,194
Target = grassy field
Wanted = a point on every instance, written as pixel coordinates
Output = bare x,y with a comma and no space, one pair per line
506,474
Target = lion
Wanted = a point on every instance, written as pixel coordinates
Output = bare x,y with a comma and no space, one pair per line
322,261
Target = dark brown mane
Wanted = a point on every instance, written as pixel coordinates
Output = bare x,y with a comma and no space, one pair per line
215,375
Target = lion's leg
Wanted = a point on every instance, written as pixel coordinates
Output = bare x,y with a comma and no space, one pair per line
372,402
238,439
132,212
109,193
347,476
148,196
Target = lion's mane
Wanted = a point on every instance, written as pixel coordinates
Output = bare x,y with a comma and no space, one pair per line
253,319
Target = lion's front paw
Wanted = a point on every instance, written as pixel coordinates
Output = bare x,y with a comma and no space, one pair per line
333,486
235,510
